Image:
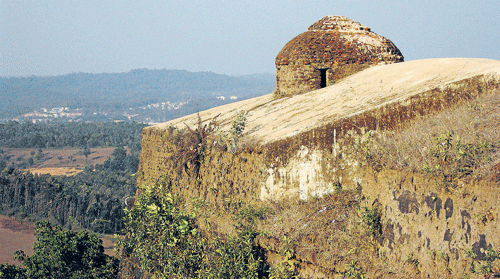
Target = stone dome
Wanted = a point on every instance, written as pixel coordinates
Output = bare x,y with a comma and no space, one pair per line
332,48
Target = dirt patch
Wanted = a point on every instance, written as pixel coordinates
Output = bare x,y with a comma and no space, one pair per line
18,235
108,242
56,171
15,235
64,159
17,226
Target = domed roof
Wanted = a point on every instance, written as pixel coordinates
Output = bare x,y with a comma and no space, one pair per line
337,39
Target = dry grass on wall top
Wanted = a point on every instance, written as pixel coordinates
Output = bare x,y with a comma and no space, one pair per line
462,142
328,233
390,118
202,162
473,125
324,235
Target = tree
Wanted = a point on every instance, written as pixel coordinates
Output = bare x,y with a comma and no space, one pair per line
62,253
162,237
117,158
164,241
10,271
86,151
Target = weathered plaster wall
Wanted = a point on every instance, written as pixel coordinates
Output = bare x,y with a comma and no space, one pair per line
420,218
435,226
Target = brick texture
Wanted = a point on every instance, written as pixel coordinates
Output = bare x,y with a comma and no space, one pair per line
336,45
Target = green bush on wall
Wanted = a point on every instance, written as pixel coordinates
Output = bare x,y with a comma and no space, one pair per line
168,244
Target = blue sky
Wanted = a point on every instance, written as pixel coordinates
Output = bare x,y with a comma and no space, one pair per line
55,37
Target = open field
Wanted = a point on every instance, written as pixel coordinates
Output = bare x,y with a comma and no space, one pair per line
19,235
15,235
56,171
67,161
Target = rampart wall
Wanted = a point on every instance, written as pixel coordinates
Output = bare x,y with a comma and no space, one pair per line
421,219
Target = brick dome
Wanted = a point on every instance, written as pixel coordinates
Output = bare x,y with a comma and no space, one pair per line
332,48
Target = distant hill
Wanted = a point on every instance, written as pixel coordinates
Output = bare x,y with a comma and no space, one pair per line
141,95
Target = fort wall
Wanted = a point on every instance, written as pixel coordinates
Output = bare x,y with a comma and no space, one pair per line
279,159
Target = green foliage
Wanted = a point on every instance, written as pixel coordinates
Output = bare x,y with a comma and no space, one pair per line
86,151
62,253
85,135
168,244
278,94
353,270
450,158
337,186
364,145
163,238
249,214
470,254
9,271
232,257
39,154
286,268
239,124
191,145
231,141
91,199
483,260
411,260
482,217
373,220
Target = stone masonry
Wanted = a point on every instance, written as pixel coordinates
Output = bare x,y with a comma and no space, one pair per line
334,47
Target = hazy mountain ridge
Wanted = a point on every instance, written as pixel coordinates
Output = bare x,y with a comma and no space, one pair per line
120,94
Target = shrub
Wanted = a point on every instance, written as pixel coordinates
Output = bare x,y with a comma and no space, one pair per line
473,149
232,257
191,145
163,238
286,269
451,159
9,271
373,220
238,125
231,141
60,253
484,259
353,270
167,243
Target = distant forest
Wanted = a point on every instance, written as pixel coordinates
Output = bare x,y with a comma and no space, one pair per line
92,199
43,135
118,93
